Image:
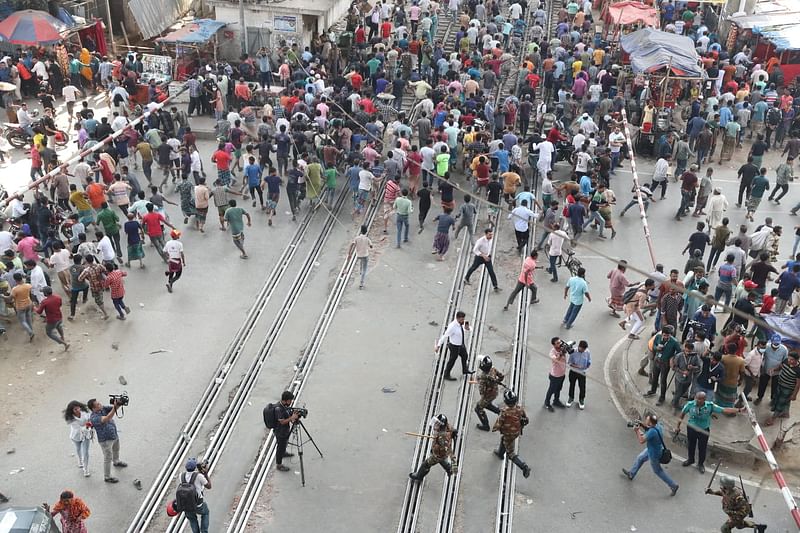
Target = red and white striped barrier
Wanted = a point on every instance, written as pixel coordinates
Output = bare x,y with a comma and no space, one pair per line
773,464
647,237
83,153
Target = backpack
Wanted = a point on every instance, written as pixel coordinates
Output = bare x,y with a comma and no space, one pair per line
774,116
270,418
630,294
186,496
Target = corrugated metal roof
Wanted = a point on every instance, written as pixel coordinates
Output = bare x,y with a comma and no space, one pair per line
153,16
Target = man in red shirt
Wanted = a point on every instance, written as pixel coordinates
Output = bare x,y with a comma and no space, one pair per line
223,160
355,80
151,222
51,307
361,35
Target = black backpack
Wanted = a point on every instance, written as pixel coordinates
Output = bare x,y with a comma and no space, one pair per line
270,418
630,294
186,496
774,116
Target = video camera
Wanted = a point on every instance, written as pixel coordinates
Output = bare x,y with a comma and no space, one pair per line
120,400
567,347
634,423
302,412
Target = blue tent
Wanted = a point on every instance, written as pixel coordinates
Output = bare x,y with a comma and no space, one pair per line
198,31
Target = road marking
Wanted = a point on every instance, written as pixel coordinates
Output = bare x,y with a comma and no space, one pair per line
618,405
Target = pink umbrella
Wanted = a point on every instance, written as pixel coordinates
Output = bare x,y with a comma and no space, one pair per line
30,27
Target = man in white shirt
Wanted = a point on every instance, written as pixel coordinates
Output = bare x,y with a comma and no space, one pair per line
546,150
38,281
105,247
70,94
176,259
521,216
7,241
40,70
119,122
455,337
555,243
483,256
615,140
660,175
24,119
60,261
362,245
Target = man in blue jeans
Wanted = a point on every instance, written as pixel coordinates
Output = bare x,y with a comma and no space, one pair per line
649,432
197,475
576,289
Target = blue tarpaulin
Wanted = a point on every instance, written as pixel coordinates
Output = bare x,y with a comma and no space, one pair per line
783,37
65,17
651,50
198,31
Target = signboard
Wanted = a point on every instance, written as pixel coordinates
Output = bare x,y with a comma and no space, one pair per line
285,23
157,66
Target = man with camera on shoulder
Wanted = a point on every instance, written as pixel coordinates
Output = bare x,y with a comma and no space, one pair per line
189,496
285,416
102,420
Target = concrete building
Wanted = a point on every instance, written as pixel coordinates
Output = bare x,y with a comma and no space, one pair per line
268,22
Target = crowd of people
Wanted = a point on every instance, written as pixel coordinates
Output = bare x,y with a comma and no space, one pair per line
339,122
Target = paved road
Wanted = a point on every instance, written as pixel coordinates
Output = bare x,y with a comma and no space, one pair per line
381,340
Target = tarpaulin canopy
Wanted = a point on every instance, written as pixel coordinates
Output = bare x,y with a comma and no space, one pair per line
786,37
630,12
198,31
651,50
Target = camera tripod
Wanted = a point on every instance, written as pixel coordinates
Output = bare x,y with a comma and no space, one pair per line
298,429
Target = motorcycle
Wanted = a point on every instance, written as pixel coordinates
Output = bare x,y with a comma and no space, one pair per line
564,151
19,138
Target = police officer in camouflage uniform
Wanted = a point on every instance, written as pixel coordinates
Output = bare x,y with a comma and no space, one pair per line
510,423
488,380
441,449
735,505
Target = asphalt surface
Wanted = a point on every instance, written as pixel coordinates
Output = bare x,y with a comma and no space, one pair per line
366,389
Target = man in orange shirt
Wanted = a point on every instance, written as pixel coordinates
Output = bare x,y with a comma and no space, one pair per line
96,193
242,92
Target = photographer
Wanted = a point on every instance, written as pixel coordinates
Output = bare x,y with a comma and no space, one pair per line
190,495
649,432
285,417
558,368
102,419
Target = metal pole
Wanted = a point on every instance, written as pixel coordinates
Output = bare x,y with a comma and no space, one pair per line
773,464
110,29
242,26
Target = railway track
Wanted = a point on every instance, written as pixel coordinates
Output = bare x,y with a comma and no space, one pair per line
227,423
449,500
165,479
412,499
445,34
266,456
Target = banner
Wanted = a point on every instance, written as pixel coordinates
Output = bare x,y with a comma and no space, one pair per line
285,23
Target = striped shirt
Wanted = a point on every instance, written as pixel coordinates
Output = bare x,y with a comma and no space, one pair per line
787,378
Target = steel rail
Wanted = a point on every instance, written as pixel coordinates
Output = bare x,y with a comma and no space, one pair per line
191,429
258,474
413,494
224,428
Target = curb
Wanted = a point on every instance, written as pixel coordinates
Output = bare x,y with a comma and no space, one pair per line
619,378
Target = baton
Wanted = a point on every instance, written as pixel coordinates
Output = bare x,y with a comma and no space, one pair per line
419,435
710,481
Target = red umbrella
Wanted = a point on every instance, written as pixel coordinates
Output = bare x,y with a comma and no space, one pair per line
30,27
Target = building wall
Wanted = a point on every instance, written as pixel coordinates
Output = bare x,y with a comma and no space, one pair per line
260,19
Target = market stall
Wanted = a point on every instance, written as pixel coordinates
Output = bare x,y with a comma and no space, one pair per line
774,39
195,41
626,16
665,61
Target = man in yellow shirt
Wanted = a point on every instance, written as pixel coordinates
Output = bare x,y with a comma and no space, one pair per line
81,202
